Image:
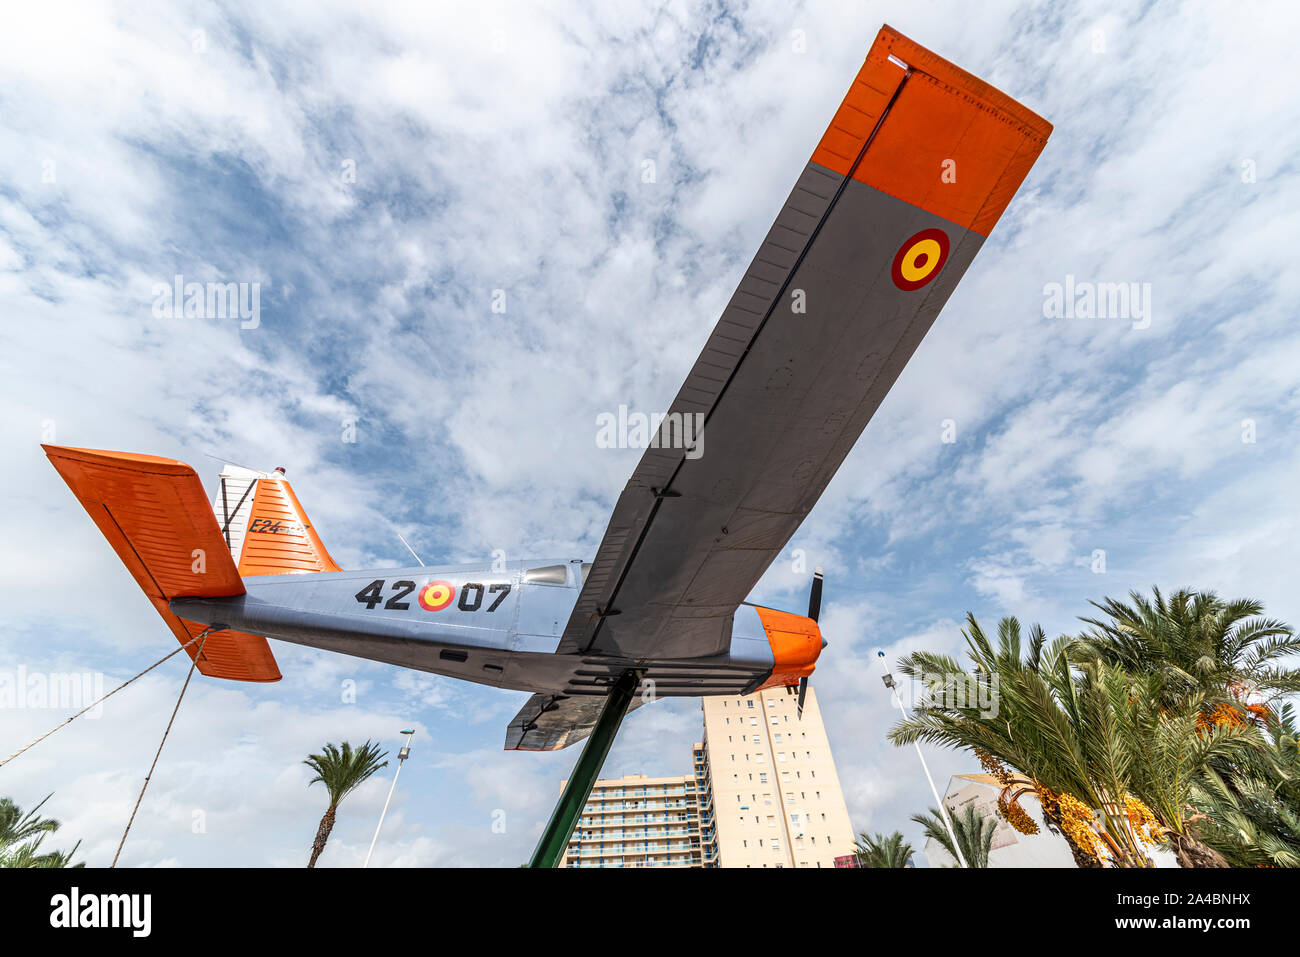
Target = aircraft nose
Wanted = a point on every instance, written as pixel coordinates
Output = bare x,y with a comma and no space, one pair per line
824,642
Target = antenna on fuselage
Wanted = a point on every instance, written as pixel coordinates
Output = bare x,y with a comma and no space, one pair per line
409,548
226,461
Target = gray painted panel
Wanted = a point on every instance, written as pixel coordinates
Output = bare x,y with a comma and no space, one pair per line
792,411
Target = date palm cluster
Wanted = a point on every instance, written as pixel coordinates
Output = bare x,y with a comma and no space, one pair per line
1164,724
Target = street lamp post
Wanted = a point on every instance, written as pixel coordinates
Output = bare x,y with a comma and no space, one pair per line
402,755
943,808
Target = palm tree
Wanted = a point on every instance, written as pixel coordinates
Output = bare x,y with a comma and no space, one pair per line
974,830
1114,758
1053,733
27,856
21,836
342,771
1196,643
1172,752
882,851
1252,812
1218,664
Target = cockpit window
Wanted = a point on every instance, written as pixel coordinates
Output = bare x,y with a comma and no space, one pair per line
548,574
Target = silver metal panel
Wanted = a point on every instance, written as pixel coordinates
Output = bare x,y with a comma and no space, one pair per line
335,612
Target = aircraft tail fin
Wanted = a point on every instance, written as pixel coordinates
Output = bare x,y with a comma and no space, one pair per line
155,515
265,526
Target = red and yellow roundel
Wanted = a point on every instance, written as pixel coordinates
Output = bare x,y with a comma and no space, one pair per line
435,596
919,259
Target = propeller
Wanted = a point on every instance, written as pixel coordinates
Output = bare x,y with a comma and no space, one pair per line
814,611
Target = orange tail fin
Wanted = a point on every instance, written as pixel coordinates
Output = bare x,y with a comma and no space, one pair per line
266,527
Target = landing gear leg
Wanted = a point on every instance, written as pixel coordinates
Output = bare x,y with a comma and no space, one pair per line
555,837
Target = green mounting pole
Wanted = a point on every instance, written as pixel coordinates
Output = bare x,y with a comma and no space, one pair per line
555,837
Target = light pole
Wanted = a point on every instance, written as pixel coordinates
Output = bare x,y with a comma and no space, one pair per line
943,808
402,755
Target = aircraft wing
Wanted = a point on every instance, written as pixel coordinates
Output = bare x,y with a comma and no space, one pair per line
915,169
548,722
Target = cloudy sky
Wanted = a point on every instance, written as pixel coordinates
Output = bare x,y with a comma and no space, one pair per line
383,174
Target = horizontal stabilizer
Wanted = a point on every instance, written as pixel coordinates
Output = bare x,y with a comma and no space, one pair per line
155,514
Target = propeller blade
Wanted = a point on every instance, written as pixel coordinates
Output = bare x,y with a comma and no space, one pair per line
803,687
815,596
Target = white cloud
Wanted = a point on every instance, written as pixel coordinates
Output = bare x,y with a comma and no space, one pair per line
498,147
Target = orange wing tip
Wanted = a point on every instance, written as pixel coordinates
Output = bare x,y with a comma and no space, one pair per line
889,42
952,144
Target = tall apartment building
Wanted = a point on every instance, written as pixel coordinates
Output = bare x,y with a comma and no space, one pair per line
770,784
764,793
637,821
